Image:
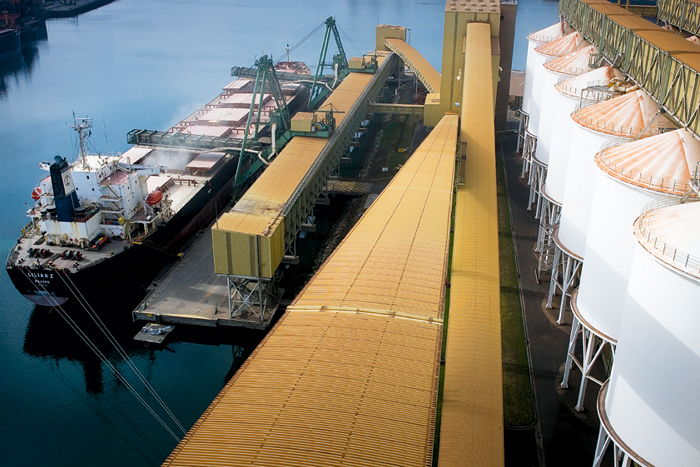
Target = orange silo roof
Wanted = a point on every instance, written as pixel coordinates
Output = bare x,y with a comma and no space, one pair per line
550,33
575,63
662,163
625,116
562,46
601,76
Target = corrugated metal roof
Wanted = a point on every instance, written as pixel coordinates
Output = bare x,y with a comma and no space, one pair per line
261,206
346,94
608,8
550,33
599,76
426,69
662,163
575,63
667,40
672,235
403,272
690,59
562,46
345,386
633,22
471,432
624,116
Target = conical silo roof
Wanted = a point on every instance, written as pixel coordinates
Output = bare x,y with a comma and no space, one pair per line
550,33
662,163
575,63
572,87
694,39
562,46
672,235
624,116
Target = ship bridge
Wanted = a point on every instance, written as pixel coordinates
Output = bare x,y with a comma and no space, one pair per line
350,374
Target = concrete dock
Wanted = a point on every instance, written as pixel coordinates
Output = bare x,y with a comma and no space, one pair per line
192,293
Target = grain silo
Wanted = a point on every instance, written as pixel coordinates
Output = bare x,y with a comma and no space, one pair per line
545,52
615,121
534,40
575,63
629,177
649,408
589,87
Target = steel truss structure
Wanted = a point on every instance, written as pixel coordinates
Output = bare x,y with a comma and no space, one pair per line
566,270
524,120
624,456
592,345
670,77
550,213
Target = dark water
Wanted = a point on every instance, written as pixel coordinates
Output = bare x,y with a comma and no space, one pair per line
142,64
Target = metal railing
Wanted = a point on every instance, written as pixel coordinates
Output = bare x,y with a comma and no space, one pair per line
673,186
663,249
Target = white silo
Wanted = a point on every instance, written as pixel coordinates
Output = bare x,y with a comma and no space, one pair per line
615,121
629,177
562,46
591,86
534,40
572,64
650,407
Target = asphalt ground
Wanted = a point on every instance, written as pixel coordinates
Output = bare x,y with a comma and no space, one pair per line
564,437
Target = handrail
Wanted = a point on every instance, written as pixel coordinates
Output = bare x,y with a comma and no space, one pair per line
664,250
651,182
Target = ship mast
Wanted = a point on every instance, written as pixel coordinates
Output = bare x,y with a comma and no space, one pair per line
81,124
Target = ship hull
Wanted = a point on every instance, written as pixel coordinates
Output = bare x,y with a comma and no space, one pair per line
134,268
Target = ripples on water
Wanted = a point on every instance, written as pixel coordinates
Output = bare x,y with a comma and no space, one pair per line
141,64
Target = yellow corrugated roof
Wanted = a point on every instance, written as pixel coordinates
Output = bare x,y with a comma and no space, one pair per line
261,206
346,94
325,389
403,271
471,432
417,63
331,387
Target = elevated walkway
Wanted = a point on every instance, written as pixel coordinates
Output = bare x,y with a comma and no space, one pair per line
472,410
349,375
426,73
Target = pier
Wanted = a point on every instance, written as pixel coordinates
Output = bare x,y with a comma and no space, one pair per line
359,385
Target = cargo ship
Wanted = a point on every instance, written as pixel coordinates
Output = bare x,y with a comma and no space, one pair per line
108,223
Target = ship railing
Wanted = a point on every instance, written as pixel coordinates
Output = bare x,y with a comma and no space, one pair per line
669,253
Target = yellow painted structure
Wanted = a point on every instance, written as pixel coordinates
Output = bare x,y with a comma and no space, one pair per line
386,31
427,74
457,16
349,375
472,412
249,240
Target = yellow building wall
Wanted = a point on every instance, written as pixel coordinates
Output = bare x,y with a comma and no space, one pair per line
236,253
384,32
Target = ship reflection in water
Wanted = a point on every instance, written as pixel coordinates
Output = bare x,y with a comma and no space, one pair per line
21,63
51,338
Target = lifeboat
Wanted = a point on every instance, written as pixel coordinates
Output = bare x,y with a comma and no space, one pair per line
154,197
36,194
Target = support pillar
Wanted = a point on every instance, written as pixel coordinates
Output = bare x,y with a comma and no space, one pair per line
524,120
566,269
592,345
549,220
529,148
